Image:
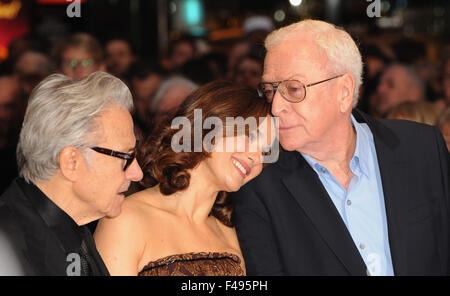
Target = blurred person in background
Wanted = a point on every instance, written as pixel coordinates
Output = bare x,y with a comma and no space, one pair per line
444,102
256,28
80,55
180,51
248,71
16,48
238,50
204,69
430,75
399,83
217,63
145,78
375,61
444,126
32,67
12,109
423,112
119,57
171,94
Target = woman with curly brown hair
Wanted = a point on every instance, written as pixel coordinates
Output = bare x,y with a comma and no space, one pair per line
181,224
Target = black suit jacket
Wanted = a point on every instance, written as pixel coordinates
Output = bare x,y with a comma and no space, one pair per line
43,235
288,225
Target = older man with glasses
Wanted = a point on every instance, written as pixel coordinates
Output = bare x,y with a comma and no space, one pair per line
350,195
76,159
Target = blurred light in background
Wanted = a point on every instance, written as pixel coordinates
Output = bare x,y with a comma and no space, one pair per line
172,7
193,12
10,10
295,2
13,24
188,16
279,15
385,6
65,2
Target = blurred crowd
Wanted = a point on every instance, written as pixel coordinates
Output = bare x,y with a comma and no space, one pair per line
396,84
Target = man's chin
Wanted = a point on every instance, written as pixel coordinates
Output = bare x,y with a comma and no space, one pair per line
114,213
289,145
116,208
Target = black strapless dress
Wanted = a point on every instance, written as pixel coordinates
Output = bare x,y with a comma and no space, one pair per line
195,264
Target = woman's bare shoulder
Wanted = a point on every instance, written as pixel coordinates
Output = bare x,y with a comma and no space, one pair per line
134,214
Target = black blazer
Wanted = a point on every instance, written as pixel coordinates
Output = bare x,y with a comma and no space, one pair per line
288,225
42,235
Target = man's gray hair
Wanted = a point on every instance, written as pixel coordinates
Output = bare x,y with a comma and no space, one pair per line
333,42
62,112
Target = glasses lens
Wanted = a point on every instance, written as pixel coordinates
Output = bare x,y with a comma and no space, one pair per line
266,90
293,90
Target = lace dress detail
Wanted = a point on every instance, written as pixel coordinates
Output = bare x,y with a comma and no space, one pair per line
195,264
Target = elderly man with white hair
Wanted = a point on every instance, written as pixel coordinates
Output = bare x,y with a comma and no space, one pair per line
76,159
350,195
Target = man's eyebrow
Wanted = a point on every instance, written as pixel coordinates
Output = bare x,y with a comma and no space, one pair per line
263,79
131,149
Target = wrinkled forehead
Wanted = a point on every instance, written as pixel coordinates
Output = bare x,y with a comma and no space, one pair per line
293,57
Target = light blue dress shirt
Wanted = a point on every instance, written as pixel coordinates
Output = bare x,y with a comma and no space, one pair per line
362,206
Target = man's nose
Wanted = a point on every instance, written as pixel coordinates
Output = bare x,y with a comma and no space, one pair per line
134,172
279,104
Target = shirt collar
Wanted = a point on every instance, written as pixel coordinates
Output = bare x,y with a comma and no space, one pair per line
359,158
362,148
64,227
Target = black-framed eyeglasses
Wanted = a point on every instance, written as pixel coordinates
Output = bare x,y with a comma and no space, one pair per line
291,90
129,157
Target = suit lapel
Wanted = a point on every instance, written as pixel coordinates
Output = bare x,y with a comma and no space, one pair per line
309,193
395,185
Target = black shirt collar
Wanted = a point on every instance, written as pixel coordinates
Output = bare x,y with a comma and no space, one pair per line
64,227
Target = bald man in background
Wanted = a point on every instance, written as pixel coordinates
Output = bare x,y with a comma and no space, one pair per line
398,84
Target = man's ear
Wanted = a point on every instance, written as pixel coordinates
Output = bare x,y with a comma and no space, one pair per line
346,90
69,162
